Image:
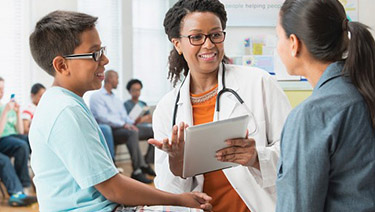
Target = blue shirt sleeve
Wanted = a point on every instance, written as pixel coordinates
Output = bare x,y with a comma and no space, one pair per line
304,165
77,141
105,115
124,115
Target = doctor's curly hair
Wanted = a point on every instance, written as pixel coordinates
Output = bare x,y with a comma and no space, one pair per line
172,26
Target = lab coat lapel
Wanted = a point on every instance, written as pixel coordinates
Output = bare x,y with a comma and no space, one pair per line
185,112
227,100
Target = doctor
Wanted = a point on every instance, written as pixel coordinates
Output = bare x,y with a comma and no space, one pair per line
196,29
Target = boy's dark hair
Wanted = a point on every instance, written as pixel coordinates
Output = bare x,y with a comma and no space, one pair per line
36,88
58,34
132,82
172,27
1,79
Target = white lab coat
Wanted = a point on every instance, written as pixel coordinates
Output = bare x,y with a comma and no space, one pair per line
270,106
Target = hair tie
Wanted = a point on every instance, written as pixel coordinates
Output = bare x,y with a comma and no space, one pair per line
345,24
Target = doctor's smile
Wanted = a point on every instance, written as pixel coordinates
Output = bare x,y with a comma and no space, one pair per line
208,56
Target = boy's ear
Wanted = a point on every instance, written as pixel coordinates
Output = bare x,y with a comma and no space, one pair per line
176,44
60,65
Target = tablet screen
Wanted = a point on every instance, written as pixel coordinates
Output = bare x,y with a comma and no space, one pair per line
202,142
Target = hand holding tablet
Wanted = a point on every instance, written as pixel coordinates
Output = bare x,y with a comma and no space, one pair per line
202,142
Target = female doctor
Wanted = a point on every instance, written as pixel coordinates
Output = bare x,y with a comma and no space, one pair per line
196,29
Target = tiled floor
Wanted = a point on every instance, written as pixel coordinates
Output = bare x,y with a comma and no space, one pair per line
34,208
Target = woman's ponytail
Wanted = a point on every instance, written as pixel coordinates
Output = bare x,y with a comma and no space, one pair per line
177,65
360,63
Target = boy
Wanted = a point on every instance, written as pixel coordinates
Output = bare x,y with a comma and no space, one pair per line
72,164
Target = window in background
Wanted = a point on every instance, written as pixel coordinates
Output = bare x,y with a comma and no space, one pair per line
109,27
15,56
151,48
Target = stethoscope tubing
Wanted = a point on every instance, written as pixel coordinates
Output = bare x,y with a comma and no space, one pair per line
222,91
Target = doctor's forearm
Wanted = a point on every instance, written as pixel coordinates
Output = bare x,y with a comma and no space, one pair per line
175,165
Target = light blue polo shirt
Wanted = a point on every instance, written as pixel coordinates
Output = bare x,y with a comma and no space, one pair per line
69,154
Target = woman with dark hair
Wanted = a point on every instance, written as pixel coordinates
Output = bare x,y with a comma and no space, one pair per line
143,122
327,158
196,29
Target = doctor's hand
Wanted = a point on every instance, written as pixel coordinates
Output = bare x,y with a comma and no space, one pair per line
240,150
174,147
195,200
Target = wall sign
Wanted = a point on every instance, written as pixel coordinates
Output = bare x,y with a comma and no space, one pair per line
260,13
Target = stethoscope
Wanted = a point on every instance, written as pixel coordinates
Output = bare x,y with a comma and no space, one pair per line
225,89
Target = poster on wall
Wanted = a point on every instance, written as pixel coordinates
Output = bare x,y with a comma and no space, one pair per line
264,13
252,12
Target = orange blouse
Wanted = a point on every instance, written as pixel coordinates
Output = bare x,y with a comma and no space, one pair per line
216,185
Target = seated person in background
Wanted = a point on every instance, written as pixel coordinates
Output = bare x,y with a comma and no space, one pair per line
71,161
11,127
37,90
11,177
108,109
17,177
144,123
107,133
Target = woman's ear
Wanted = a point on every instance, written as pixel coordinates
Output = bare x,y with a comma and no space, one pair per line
176,44
60,65
295,45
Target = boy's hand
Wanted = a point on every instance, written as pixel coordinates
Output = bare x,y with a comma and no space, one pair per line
196,200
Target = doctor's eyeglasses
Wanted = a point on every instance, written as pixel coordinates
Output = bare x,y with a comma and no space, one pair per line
200,39
96,56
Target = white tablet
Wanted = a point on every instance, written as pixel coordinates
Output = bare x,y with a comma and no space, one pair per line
202,142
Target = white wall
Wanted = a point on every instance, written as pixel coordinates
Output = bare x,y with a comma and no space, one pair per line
234,41
236,35
367,13
127,48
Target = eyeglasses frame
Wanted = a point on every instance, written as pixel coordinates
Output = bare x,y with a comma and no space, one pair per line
102,51
205,38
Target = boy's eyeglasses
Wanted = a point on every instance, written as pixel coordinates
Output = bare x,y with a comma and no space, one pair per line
95,56
200,39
